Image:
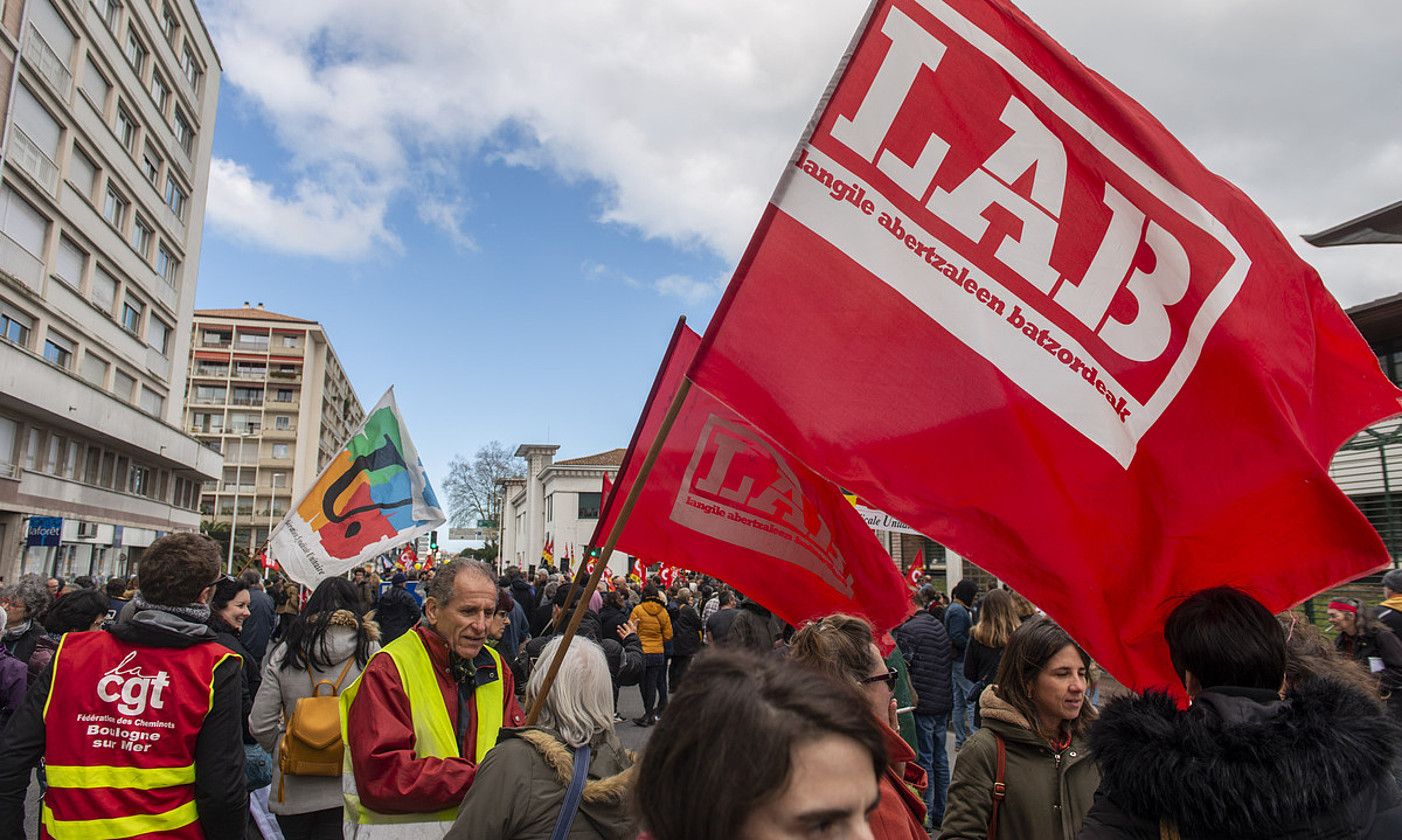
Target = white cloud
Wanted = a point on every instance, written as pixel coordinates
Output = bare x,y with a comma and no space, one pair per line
683,112
312,221
690,290
447,216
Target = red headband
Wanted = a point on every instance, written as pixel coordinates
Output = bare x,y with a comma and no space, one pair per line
1343,606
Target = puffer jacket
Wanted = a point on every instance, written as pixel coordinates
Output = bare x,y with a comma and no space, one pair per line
277,699
1048,793
1243,763
654,626
520,787
925,643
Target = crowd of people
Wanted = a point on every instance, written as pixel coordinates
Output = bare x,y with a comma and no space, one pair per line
190,703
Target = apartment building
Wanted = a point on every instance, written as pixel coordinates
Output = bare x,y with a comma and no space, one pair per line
267,391
109,109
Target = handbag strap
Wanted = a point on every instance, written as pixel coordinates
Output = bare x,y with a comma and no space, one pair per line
336,686
1000,790
573,795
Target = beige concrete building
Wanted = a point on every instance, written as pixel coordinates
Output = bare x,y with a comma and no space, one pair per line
557,501
109,112
268,392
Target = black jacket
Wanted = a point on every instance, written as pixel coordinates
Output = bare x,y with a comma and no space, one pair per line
221,797
258,627
610,619
924,642
625,658
981,662
1381,644
23,647
521,593
686,632
1242,763
397,613
250,677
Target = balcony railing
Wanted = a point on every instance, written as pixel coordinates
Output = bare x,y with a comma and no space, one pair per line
215,400
216,372
27,155
47,62
250,373
258,400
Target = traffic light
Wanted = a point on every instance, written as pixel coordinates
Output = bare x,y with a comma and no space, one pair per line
594,553
432,540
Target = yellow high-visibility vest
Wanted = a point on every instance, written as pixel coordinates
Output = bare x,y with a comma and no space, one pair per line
434,736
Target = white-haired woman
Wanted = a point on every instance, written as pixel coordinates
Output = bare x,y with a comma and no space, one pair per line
521,786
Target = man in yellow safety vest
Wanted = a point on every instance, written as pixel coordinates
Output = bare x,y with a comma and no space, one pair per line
425,711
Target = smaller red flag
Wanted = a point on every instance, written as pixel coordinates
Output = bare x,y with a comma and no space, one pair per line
917,568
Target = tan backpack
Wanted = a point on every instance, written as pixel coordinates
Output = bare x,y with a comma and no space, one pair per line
312,746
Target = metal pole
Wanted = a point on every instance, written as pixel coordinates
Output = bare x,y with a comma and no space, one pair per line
1391,540
617,531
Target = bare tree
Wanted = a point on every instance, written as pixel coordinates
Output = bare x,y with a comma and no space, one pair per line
474,486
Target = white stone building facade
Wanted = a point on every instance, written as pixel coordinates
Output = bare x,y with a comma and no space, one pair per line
556,501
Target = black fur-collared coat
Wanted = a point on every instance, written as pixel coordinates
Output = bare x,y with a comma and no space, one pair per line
1245,764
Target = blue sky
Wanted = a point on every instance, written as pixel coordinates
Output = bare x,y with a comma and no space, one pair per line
501,208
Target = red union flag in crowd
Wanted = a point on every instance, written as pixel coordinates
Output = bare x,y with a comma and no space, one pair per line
997,298
722,499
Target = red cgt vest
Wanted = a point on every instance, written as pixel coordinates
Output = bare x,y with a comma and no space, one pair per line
121,724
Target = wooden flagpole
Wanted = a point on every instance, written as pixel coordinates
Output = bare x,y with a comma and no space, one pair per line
617,531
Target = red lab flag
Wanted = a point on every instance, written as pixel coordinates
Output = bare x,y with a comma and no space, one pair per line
725,501
997,298
917,568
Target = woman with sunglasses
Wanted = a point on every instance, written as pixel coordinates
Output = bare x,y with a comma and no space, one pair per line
1373,645
842,646
1026,774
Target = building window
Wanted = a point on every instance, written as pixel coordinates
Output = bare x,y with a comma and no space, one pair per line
114,207
190,66
175,197
151,165
283,395
58,349
69,260
589,505
289,341
184,134
135,51
279,479
279,450
160,92
168,23
215,338
209,394
158,336
33,447
132,310
22,223
141,235
139,480
283,422
15,326
122,385
104,290
95,85
82,173
126,128
167,266
94,369
256,341
152,402
110,10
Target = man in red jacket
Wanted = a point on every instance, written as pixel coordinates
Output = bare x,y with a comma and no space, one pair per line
414,742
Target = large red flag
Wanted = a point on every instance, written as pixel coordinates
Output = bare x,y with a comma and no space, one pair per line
996,297
724,500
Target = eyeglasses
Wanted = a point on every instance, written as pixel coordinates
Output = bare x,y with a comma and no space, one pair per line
889,677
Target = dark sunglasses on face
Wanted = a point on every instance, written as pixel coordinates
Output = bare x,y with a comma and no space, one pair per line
889,677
